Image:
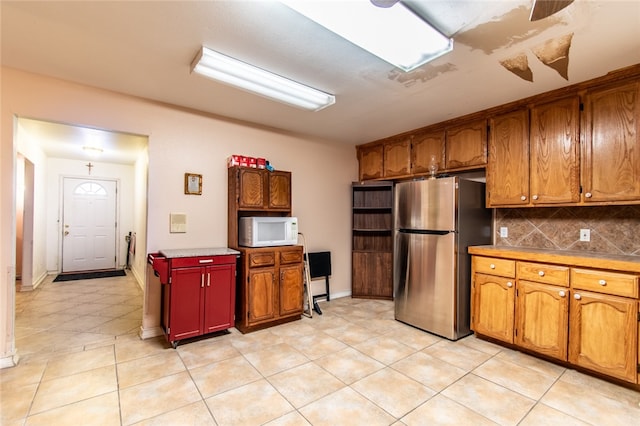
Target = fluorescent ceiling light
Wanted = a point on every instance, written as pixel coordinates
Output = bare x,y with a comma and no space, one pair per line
394,34
236,73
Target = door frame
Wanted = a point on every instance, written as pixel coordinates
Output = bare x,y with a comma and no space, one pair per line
60,229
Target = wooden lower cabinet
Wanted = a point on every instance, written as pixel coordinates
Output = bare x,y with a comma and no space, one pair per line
542,318
372,275
603,334
583,316
493,301
270,287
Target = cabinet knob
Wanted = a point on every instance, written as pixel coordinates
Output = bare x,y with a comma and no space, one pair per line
541,273
577,296
561,293
602,282
509,284
535,197
492,266
587,195
523,197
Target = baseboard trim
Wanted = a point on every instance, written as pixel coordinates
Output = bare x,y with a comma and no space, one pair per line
150,332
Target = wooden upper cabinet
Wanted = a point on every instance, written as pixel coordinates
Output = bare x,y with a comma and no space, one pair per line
554,154
252,188
370,161
466,145
424,145
611,170
397,157
508,164
260,189
279,190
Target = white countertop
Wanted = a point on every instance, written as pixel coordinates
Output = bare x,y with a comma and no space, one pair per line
195,252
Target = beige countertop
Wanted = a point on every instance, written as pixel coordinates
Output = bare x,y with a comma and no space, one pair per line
623,263
197,252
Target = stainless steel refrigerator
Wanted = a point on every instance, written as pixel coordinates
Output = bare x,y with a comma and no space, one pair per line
435,221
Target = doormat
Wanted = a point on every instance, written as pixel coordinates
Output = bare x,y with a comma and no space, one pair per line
90,275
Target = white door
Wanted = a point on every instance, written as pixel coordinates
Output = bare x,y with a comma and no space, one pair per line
89,224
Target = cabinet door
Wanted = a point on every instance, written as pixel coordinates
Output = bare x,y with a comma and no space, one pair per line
542,318
219,298
372,275
508,165
253,188
279,190
261,295
555,171
603,334
370,162
466,145
291,286
186,305
493,301
612,136
424,146
397,157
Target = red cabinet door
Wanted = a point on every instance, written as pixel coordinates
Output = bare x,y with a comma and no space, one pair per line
186,303
219,297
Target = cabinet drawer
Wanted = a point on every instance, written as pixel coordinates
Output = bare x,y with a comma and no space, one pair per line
547,274
493,266
291,255
615,283
262,258
185,262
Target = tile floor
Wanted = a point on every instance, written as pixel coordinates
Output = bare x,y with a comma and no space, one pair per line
82,363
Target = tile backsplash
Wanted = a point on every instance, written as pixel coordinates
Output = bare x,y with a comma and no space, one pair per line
614,229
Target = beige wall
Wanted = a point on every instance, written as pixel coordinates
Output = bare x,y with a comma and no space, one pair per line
179,141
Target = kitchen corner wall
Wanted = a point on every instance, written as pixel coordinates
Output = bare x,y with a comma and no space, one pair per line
614,229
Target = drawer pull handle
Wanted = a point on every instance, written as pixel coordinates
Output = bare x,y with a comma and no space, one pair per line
535,197
577,296
523,197
492,266
541,273
602,282
206,261
561,293
509,284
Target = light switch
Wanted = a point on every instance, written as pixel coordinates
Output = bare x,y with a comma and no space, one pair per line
178,222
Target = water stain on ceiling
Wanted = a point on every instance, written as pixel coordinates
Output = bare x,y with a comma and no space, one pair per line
420,75
555,54
506,31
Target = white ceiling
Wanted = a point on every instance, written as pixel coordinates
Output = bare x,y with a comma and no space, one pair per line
144,48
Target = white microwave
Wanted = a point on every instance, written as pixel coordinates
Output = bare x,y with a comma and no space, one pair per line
265,231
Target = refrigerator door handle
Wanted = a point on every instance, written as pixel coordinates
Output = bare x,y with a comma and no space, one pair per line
423,231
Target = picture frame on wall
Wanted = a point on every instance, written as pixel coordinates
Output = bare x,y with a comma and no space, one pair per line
192,184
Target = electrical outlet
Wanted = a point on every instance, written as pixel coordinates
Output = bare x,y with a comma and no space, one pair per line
504,232
585,235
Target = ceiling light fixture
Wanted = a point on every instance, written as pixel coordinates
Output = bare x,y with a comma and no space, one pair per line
240,74
92,151
395,34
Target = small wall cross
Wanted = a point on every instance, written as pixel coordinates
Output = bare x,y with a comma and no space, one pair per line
89,166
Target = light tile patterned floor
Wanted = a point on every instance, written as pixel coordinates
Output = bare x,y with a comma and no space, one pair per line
82,363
